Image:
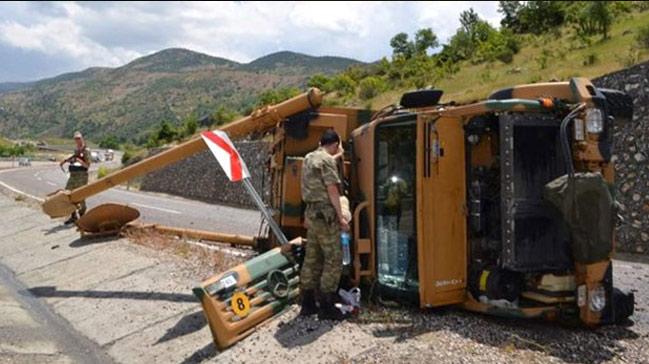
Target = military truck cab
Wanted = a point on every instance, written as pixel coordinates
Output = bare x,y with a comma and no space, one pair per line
503,206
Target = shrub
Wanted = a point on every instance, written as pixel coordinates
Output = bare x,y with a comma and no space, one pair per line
590,59
631,58
275,96
103,171
542,59
320,81
343,84
642,38
222,116
370,87
126,157
190,124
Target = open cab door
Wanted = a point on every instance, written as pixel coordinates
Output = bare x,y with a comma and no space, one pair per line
441,212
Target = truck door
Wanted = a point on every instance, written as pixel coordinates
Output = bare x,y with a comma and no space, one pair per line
441,227
395,201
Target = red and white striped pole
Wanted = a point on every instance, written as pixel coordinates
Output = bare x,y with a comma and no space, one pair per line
235,168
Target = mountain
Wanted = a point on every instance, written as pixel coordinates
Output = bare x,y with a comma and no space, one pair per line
11,86
290,62
128,101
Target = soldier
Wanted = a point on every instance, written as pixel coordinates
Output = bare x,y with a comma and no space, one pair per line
324,220
79,163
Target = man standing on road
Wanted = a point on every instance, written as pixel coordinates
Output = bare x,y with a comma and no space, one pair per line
324,220
79,163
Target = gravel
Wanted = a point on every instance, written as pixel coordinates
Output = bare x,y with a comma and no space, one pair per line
401,335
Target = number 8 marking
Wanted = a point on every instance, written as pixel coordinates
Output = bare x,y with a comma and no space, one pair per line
240,304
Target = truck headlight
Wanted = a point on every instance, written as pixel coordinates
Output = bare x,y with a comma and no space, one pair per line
594,121
597,299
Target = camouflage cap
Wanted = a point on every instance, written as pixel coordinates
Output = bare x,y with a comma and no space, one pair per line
77,134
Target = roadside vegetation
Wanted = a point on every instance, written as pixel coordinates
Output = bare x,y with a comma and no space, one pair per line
11,149
537,41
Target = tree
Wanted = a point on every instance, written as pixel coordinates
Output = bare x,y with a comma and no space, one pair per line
109,142
401,46
190,124
539,16
601,14
468,19
593,18
425,39
222,116
166,132
510,11
459,48
320,81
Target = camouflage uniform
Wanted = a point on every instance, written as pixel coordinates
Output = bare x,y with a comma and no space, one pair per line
79,176
323,261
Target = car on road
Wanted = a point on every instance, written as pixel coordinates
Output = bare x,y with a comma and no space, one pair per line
96,157
24,162
109,155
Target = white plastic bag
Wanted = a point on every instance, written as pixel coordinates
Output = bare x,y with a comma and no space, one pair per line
351,297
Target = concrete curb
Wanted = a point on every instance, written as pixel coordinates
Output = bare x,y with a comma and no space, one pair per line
134,302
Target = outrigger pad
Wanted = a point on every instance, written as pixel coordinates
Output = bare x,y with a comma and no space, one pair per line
107,218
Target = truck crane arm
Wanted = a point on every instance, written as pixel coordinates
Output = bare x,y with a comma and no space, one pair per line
62,203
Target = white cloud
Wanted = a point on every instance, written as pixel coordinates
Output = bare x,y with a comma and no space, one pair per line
113,33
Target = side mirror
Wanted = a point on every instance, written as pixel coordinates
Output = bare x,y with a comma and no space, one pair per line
619,104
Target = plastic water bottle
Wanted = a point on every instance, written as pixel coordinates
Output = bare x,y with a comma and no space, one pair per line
344,239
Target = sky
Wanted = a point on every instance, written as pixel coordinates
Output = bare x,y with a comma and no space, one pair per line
45,39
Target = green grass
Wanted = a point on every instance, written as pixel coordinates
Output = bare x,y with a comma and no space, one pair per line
5,142
562,61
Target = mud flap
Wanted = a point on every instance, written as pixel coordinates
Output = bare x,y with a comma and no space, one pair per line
587,206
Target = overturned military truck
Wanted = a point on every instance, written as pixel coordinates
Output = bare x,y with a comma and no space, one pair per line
504,206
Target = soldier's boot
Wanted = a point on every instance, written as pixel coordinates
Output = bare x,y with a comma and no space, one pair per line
82,209
308,303
328,310
73,218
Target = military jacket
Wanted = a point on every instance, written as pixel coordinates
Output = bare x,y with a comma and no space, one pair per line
318,171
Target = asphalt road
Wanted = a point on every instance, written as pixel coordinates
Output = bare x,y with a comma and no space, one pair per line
31,332
154,208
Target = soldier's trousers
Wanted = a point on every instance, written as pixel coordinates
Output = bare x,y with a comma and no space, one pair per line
76,180
323,259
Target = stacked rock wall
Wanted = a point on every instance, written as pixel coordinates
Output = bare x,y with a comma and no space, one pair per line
631,155
200,177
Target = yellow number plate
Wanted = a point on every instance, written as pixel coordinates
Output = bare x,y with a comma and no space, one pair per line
240,304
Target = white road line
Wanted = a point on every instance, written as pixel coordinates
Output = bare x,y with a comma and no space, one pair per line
21,192
155,208
50,183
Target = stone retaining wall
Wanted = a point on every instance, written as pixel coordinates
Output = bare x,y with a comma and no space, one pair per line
631,154
200,177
